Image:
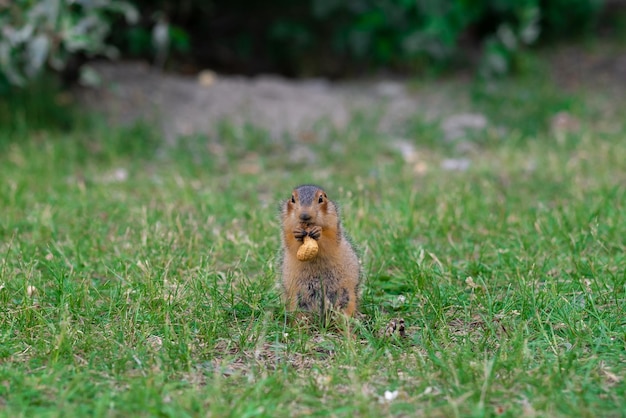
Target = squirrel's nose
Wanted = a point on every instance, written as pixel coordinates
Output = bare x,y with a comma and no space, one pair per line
305,217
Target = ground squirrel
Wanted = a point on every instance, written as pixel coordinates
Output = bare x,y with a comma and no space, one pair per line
329,281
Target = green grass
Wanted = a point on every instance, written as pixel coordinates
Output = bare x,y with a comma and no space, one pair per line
143,283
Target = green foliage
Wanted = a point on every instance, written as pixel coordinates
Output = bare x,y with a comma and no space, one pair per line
501,48
393,33
572,17
137,41
334,37
51,32
404,32
314,37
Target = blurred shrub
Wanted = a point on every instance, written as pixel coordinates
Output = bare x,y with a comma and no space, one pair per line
409,33
310,37
36,33
502,46
569,17
340,37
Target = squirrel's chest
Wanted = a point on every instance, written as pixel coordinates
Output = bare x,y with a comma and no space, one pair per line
317,269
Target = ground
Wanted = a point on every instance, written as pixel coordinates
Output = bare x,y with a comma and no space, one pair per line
186,105
183,105
138,279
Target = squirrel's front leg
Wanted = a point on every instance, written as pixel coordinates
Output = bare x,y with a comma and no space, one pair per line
300,233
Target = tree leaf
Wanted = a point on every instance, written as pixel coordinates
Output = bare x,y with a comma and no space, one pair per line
36,54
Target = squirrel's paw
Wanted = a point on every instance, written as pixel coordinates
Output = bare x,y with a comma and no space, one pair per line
300,233
315,232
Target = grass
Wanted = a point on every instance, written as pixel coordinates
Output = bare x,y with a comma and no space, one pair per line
135,282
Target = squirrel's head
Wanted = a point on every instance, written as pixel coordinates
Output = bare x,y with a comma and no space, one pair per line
309,205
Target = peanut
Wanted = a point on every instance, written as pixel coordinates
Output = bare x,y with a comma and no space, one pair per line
308,250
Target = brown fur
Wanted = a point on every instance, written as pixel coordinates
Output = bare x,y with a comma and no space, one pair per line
331,280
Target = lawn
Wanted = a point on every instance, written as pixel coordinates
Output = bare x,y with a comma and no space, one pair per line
140,280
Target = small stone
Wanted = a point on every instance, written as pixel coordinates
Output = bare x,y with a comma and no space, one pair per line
455,164
390,396
457,126
206,78
31,291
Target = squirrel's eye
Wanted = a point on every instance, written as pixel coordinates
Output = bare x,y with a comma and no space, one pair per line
293,199
321,199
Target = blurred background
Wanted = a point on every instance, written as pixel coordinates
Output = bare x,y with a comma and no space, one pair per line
329,38
58,45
